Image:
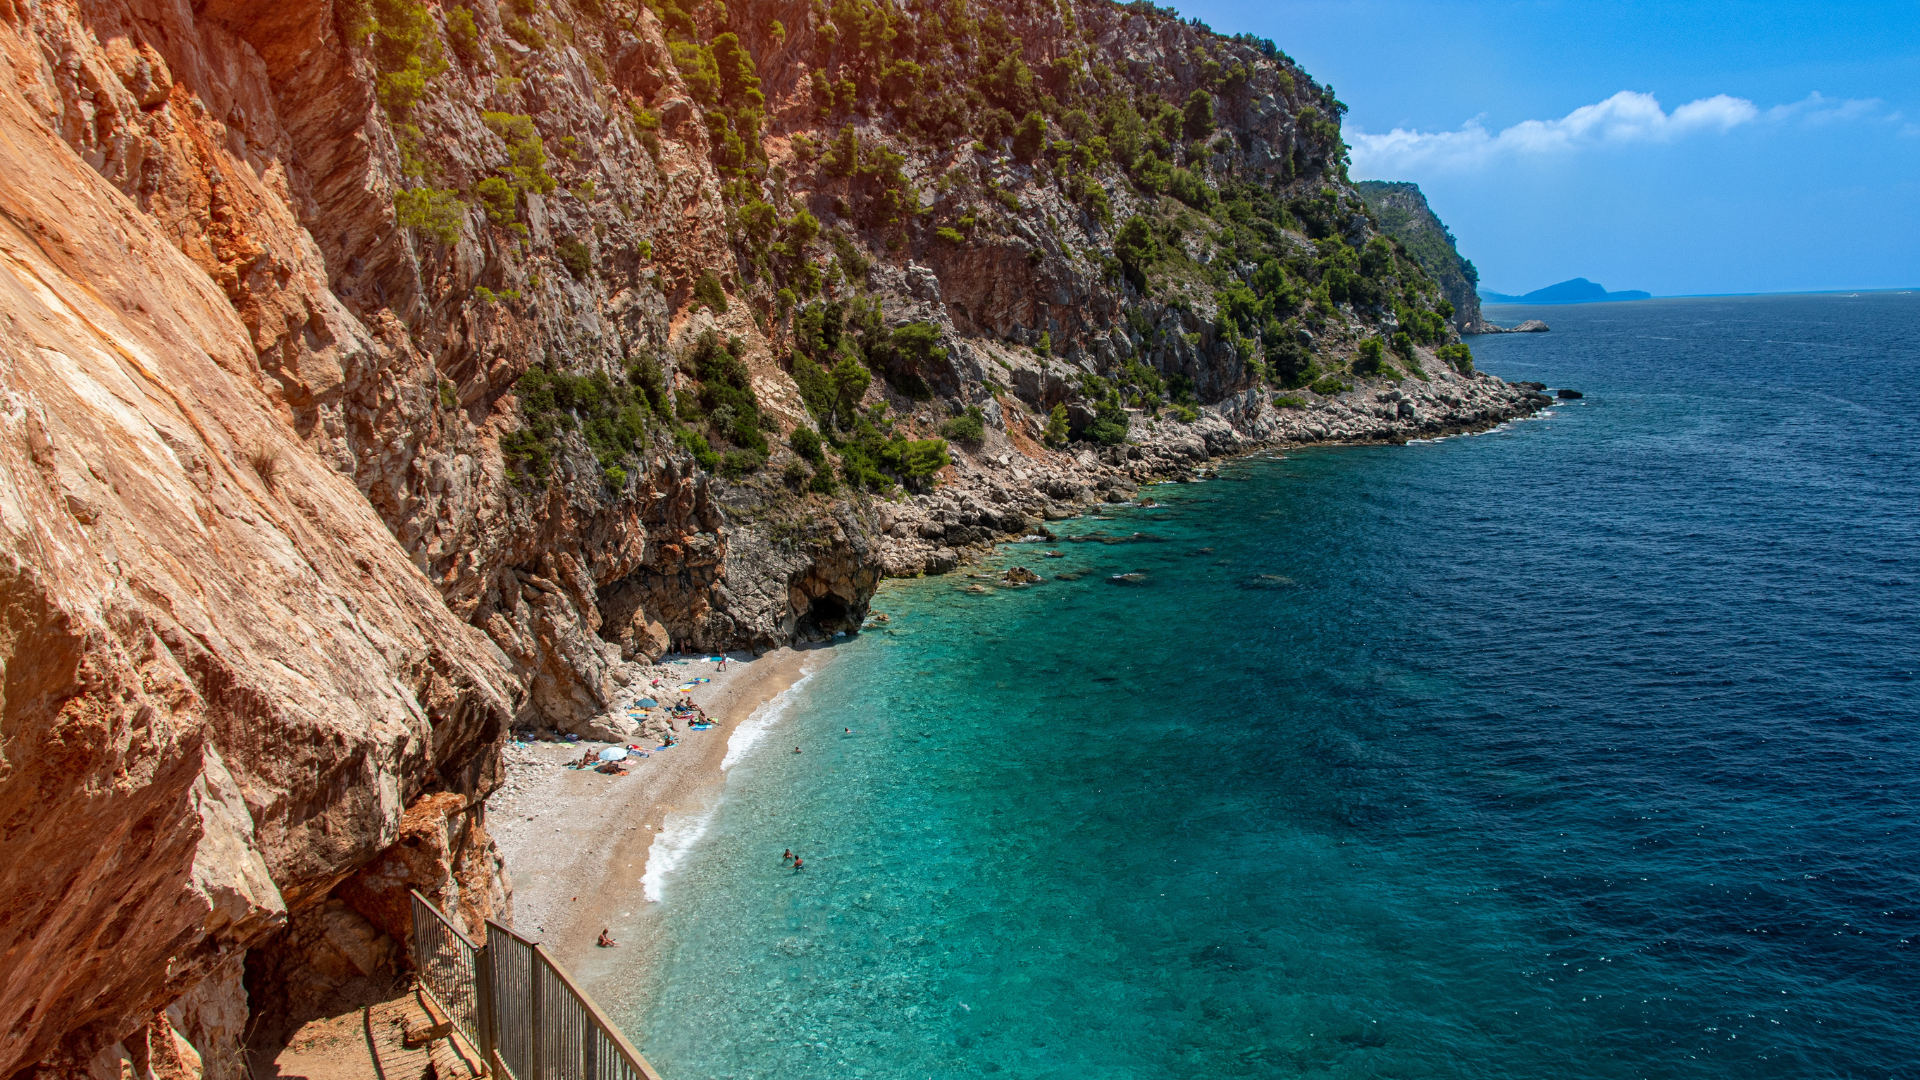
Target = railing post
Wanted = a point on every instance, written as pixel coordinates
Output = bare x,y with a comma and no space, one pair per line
483,994
535,987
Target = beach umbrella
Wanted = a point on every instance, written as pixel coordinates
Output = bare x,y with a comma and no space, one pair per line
647,703
613,753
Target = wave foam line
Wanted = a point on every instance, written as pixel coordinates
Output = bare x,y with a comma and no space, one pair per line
671,846
753,730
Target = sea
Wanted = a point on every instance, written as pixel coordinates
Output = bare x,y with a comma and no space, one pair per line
1584,747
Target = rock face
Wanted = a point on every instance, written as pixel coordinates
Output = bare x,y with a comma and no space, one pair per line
292,536
1530,326
226,678
1404,215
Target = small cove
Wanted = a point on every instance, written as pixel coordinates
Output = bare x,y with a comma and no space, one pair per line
1581,747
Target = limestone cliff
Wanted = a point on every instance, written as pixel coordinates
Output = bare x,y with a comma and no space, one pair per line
1403,213
379,375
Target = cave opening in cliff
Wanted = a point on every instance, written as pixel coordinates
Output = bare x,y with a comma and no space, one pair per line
827,614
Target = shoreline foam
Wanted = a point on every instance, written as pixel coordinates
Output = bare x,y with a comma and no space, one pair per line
581,845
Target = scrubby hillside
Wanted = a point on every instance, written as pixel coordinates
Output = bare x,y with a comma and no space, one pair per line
1403,214
620,326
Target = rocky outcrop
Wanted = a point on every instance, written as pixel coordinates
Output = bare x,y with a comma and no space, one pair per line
1403,214
290,540
226,677
997,493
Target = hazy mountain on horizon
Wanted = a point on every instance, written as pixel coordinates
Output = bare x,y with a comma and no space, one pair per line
1574,291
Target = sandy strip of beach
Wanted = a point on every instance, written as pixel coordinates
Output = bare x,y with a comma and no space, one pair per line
576,842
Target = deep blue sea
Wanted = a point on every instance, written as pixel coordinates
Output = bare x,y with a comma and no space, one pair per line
1588,747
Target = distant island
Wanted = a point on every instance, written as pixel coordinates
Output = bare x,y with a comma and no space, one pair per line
1577,291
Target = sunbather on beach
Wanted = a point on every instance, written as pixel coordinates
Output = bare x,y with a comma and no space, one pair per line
606,940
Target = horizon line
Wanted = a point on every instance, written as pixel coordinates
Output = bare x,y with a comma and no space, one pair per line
1702,296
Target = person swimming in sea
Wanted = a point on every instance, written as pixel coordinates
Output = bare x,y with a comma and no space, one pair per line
798,862
787,856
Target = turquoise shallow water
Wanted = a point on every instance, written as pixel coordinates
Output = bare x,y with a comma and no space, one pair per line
1581,748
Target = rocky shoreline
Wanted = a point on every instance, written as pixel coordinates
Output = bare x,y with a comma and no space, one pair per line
1000,491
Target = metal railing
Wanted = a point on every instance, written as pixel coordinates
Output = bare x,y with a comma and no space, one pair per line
516,1006
450,969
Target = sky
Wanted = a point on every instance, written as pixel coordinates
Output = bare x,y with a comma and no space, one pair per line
1678,147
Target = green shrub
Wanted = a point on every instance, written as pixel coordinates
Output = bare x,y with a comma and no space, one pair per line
1137,249
449,399
524,32
696,444
526,156
1109,425
970,427
1457,356
405,52
1328,386
1289,401
575,256
1055,434
806,442
464,36
735,464
795,475
850,381
1191,189
615,476
855,262
1197,117
950,235
1186,414
726,393
1030,137
432,212
1369,361
498,198
526,454
707,291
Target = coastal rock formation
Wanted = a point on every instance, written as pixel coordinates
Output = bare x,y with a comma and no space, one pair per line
226,677
380,375
1404,214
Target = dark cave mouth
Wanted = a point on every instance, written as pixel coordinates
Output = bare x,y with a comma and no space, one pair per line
827,615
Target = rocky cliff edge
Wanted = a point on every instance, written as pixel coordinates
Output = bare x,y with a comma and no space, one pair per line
381,375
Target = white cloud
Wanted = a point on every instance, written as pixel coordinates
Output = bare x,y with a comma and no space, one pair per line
1625,118
1817,108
